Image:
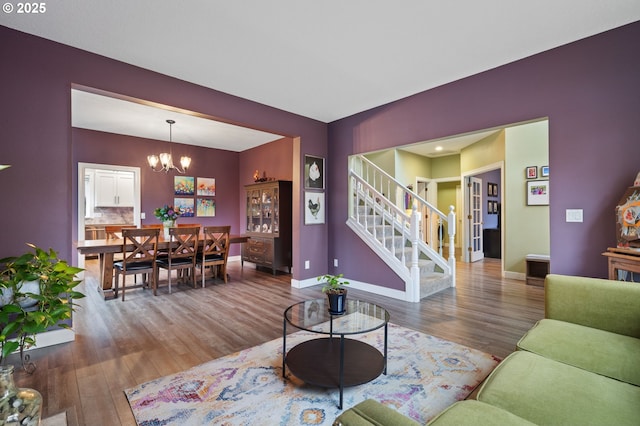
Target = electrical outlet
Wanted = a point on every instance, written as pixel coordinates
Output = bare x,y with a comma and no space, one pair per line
335,263
574,215
143,215
306,264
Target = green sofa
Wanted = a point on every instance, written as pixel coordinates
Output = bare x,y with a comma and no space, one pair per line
578,365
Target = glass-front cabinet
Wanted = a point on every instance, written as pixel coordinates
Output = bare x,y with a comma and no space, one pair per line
269,225
263,210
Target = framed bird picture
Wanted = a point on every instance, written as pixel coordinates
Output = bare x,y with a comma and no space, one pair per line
314,208
313,172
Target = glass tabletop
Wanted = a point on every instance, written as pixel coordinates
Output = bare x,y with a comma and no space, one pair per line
314,316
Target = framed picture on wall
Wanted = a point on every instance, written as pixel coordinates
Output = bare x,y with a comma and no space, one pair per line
186,205
313,172
538,193
206,187
532,172
490,207
314,208
183,185
544,171
205,207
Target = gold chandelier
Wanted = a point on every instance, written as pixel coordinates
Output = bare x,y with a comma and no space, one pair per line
165,159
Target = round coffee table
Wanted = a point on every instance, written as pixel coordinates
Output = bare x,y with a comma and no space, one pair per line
335,361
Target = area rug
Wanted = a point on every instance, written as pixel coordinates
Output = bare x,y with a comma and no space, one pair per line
425,374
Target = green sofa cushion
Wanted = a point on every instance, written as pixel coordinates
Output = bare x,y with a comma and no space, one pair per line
594,302
544,391
371,412
474,413
612,355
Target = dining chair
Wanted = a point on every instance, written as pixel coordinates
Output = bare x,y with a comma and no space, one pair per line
140,260
215,250
115,231
181,254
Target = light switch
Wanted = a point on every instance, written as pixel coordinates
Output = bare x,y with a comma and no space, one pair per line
306,264
574,215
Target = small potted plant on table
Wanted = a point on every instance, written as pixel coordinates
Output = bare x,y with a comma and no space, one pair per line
336,293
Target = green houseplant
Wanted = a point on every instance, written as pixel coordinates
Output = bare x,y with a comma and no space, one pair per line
27,311
335,291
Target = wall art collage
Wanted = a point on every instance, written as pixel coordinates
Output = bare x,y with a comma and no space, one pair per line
185,188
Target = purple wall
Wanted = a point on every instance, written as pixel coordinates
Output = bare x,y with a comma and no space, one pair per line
35,118
590,92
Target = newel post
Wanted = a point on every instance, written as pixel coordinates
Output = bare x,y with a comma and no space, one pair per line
413,293
451,218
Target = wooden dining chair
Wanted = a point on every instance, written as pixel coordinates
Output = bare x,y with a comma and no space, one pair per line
115,231
215,250
182,253
140,260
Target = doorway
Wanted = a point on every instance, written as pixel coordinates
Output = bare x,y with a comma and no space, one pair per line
126,176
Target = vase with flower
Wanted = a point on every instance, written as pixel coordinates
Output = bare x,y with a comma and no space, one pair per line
168,215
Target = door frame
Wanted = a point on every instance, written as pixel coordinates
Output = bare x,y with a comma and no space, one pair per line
81,195
465,223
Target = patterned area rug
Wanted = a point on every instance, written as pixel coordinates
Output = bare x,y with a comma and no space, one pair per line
424,375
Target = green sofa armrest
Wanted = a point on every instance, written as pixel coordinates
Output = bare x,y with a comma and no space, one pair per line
593,302
372,413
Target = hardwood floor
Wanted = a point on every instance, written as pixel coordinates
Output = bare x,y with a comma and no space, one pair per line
121,344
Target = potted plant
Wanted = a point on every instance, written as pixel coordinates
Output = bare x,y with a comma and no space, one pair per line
27,309
336,293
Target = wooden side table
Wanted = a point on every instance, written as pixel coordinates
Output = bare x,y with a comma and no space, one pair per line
623,259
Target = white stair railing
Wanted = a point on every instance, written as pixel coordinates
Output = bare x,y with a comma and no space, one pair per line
389,216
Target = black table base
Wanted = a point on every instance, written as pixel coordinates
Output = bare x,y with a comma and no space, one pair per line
318,362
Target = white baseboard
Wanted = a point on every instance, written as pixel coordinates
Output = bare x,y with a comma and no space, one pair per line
514,275
369,288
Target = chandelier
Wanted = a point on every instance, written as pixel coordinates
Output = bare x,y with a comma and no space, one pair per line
165,159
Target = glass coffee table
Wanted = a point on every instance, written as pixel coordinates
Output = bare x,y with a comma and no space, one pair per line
334,360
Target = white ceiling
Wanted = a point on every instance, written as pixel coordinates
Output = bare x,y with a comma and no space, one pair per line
325,59
108,114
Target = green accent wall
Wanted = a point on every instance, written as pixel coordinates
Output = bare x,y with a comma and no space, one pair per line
526,227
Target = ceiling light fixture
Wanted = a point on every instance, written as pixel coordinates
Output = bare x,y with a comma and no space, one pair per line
165,159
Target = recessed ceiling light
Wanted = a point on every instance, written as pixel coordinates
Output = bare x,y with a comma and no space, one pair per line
438,148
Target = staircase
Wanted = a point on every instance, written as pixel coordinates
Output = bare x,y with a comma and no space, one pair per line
387,216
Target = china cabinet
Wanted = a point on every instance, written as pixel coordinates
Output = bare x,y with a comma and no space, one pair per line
268,223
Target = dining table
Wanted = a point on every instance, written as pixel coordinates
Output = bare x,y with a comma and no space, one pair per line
105,249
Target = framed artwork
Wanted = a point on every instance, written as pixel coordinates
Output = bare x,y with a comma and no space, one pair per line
183,185
313,172
205,207
544,171
492,189
538,193
314,208
206,187
186,206
532,172
490,207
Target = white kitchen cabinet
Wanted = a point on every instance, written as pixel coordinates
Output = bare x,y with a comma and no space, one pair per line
114,188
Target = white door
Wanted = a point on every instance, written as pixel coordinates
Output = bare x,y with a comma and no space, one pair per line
474,216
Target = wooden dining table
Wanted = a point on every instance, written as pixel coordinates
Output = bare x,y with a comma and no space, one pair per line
105,249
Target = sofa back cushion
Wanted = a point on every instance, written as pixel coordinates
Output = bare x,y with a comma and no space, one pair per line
593,302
